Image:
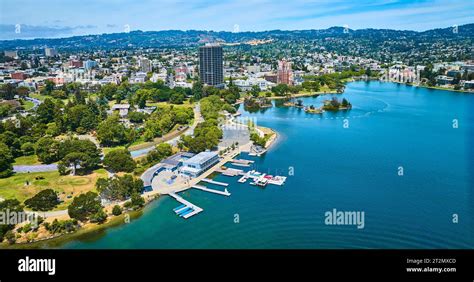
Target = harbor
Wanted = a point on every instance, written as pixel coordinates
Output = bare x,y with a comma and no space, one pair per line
184,171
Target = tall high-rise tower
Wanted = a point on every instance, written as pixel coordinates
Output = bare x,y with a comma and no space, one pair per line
211,69
285,74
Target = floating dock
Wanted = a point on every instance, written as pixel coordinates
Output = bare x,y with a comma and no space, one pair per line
242,161
204,188
230,171
188,210
262,179
239,164
215,182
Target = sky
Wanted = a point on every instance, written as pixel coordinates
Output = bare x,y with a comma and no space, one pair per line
63,18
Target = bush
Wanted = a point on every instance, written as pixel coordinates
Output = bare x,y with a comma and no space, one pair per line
99,217
117,210
137,200
60,226
10,236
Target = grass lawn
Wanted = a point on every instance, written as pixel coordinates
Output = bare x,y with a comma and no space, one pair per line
43,97
28,105
185,103
14,187
27,160
38,96
105,150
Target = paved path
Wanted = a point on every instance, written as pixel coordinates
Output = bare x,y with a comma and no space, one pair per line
52,213
35,168
34,101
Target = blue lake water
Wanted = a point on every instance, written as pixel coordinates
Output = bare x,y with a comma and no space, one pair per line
348,169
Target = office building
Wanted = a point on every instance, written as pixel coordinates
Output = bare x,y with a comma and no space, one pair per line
145,65
211,70
50,52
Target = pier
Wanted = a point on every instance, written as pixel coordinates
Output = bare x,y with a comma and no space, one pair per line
187,210
230,171
240,164
204,188
242,161
214,182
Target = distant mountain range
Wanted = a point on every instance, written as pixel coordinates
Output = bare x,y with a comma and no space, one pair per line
357,42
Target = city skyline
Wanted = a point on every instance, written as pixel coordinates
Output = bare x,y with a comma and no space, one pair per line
53,20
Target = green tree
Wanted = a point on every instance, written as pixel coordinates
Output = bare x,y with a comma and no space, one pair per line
162,150
6,160
255,91
46,111
137,201
28,148
76,159
49,87
44,200
47,150
197,90
116,210
119,160
12,206
84,205
7,91
119,188
99,217
112,132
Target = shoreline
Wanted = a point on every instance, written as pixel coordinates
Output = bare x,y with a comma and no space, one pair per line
87,229
299,95
115,221
149,197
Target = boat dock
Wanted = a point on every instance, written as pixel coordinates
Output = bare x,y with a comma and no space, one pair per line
239,164
187,209
215,182
230,171
204,188
262,179
242,161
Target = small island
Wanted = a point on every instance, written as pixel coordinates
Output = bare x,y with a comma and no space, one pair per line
334,105
257,103
313,110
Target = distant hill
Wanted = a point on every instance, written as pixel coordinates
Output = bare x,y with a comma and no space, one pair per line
381,43
177,38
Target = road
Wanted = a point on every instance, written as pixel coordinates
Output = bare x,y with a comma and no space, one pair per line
35,168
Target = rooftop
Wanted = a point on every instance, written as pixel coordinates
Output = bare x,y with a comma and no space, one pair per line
202,157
